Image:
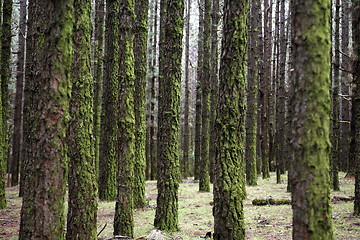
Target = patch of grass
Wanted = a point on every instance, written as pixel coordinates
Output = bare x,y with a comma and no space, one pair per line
195,212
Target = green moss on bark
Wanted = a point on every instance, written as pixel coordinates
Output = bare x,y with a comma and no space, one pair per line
310,175
229,178
172,24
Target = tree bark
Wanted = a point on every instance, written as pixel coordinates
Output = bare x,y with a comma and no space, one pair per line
229,184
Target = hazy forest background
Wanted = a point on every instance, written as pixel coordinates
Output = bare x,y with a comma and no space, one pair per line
209,118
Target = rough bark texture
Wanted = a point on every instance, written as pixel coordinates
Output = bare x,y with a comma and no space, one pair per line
140,47
185,161
229,177
47,91
108,165
124,220
18,112
198,104
204,183
82,204
171,25
310,172
355,123
98,75
2,144
252,96
335,133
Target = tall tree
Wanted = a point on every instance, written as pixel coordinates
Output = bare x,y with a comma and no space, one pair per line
6,73
355,121
204,183
81,217
229,177
140,47
49,55
171,25
335,133
310,172
197,150
185,161
252,95
2,143
98,74
124,220
108,165
18,112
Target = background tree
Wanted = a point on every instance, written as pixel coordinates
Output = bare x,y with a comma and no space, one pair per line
355,123
82,204
48,91
229,177
140,47
124,220
204,183
252,95
171,25
18,112
108,165
310,172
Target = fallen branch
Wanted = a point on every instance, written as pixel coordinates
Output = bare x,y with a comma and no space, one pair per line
345,199
270,201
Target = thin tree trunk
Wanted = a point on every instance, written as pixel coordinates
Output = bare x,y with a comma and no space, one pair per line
2,143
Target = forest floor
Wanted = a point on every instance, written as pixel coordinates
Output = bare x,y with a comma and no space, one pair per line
195,213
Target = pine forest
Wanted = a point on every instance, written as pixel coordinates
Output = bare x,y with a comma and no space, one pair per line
179,119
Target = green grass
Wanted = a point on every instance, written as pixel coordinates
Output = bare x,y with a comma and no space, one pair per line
195,213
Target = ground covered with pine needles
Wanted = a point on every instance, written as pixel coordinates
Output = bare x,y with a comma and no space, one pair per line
195,212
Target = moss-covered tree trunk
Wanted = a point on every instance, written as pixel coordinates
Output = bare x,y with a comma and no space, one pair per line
186,145
197,149
108,163
355,121
98,75
229,177
18,111
49,59
214,82
310,169
140,48
82,204
124,220
252,96
204,183
171,26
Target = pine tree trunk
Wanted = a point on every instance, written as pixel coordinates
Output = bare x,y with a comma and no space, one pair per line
229,184
140,48
47,92
98,76
252,96
18,112
82,209
198,104
186,146
204,183
171,25
310,172
108,165
355,111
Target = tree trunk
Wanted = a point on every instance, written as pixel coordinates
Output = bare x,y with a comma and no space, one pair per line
47,92
310,172
81,217
110,113
185,162
18,112
171,25
229,184
355,111
252,96
140,48
204,183
98,76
